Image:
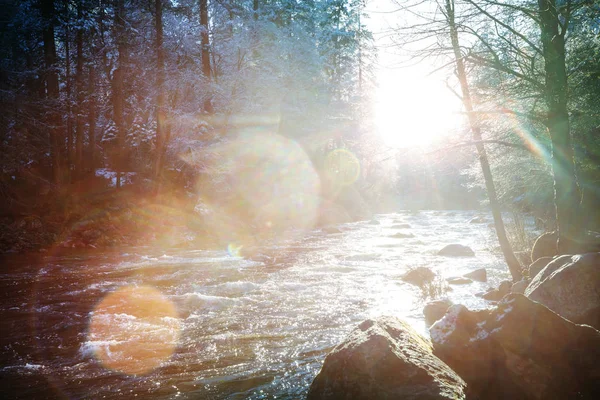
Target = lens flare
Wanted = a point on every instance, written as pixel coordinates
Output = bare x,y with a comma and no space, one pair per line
261,187
342,167
134,329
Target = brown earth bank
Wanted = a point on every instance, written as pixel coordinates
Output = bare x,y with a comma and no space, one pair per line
93,215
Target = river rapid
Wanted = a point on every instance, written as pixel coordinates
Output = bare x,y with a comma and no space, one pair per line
213,325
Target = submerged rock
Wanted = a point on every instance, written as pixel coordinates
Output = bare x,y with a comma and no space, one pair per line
331,229
435,310
385,359
401,226
477,275
374,222
519,350
478,220
401,235
460,280
570,286
456,250
418,276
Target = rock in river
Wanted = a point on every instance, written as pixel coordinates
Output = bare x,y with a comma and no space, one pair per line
385,359
479,275
418,276
459,280
401,235
519,350
538,265
435,310
456,250
570,286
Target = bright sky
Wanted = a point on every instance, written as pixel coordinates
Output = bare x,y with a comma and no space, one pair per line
412,108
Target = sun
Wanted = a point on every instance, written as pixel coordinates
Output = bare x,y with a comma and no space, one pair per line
412,110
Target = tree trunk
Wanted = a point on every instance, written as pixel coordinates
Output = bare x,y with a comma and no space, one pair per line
566,190
69,150
118,95
160,98
52,91
79,97
513,264
206,69
92,120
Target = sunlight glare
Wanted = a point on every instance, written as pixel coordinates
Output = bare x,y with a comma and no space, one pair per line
413,110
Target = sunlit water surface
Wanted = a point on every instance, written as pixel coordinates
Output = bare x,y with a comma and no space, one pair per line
213,325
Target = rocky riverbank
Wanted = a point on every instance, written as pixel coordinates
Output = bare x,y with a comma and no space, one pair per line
543,344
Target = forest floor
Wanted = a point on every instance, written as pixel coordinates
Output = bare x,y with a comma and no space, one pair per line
78,218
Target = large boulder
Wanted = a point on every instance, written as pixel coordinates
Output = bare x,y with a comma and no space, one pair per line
385,359
538,265
544,246
519,350
456,250
570,286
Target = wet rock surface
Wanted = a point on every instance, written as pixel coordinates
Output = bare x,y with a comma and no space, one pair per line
519,350
419,276
385,359
435,310
570,286
456,250
479,275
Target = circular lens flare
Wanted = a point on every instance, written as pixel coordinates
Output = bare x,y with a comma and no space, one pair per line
342,167
134,329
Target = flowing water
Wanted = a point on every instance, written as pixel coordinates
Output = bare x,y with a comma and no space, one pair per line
211,325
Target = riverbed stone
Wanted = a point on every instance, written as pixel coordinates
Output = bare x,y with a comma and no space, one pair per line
435,310
385,358
400,235
478,220
519,287
519,350
479,275
497,294
538,265
544,246
456,250
570,286
419,276
459,280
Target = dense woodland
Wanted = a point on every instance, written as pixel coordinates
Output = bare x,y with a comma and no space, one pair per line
144,93
115,102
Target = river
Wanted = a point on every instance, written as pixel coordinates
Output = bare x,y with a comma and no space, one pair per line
199,324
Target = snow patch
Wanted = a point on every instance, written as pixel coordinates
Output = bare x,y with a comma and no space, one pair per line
443,328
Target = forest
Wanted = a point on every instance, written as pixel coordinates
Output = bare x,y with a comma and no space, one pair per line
108,103
113,103
321,199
